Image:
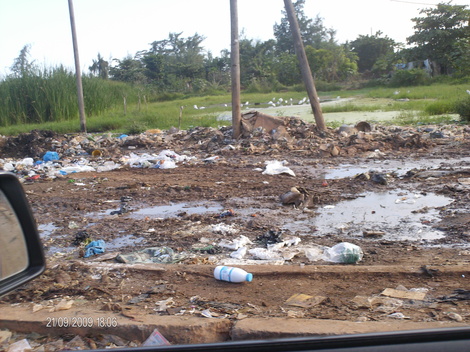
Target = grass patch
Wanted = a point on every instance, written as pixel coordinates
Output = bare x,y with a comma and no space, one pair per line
424,104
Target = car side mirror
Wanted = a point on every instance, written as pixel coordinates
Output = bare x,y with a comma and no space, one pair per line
21,252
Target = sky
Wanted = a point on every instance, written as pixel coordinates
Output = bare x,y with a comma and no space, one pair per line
118,28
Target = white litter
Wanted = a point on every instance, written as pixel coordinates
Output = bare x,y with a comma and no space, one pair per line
275,167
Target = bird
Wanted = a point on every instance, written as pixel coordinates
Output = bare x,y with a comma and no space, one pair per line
195,106
468,91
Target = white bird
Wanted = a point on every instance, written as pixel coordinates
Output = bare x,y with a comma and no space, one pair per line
202,108
396,92
195,106
468,91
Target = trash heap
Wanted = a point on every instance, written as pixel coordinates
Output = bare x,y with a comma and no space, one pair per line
48,154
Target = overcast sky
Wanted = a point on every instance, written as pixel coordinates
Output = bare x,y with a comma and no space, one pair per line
116,28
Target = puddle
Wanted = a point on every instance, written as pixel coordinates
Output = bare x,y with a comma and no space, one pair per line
399,167
123,241
171,210
396,213
46,230
57,249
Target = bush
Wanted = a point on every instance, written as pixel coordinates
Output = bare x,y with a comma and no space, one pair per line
462,107
262,85
440,107
414,77
323,86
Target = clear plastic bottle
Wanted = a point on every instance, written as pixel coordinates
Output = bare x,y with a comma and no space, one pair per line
231,274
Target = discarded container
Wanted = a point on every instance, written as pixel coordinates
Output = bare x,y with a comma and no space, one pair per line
344,252
96,153
231,274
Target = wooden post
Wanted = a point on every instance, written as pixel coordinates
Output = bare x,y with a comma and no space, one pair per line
81,101
181,115
235,70
304,66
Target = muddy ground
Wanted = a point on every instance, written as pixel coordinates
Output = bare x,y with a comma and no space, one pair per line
184,209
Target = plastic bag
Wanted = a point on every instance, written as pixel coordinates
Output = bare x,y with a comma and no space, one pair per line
345,252
275,167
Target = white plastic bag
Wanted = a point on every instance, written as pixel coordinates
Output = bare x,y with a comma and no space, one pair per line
345,252
275,167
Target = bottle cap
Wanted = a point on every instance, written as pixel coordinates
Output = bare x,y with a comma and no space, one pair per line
249,277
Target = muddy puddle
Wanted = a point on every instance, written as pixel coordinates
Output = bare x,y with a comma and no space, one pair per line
175,209
397,215
123,241
397,167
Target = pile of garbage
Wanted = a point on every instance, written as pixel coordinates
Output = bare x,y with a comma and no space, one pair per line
52,165
47,153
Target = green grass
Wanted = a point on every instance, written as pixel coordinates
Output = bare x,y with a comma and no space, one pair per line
106,114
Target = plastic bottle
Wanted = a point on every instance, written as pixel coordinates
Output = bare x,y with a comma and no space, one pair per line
231,274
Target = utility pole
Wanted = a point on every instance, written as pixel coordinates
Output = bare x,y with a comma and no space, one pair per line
81,102
304,66
235,70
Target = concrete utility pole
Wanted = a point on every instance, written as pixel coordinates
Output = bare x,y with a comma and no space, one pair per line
235,71
81,102
304,66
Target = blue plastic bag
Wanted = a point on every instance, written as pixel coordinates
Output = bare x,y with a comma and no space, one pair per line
94,247
50,156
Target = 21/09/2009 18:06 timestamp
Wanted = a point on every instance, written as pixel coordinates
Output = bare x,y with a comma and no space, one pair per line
81,322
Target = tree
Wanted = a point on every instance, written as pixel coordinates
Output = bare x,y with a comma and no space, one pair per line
440,35
21,65
313,32
332,63
372,48
217,69
100,67
256,60
129,69
288,70
183,57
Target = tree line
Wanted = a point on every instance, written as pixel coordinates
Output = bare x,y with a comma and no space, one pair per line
441,36
181,64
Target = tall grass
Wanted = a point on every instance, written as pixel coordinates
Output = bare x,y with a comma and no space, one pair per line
50,96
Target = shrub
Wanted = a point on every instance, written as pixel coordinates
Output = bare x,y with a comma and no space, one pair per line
462,107
440,108
413,77
323,86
